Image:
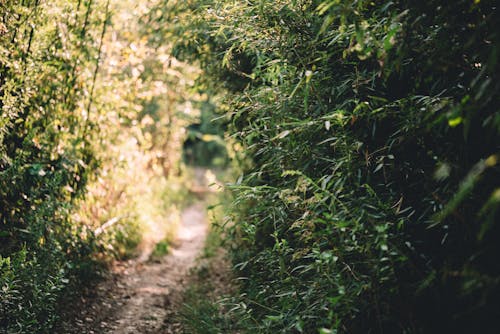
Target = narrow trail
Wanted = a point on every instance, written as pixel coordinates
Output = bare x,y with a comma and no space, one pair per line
154,290
143,296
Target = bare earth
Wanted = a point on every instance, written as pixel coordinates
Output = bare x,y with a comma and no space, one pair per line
144,296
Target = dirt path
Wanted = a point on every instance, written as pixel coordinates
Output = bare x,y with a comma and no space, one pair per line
155,289
144,296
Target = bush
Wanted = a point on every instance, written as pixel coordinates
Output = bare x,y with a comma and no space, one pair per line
45,154
84,111
370,192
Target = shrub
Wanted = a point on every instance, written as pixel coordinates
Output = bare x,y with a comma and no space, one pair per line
84,111
45,154
369,197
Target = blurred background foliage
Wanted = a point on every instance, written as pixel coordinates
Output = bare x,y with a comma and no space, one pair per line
93,117
205,145
368,139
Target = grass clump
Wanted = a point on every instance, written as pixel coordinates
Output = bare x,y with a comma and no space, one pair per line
160,250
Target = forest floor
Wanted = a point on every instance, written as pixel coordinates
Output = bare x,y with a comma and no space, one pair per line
144,295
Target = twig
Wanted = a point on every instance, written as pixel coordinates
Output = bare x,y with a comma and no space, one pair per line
107,225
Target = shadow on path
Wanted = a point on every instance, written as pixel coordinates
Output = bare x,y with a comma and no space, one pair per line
143,296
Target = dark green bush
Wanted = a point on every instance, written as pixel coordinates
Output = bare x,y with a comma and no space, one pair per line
372,128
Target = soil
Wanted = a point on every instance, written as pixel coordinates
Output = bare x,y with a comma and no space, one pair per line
143,296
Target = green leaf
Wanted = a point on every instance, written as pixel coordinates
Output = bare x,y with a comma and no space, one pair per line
454,122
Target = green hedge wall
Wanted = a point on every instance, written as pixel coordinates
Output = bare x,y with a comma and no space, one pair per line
370,200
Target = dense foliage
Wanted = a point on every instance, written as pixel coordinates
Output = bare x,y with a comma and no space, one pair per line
370,190
47,70
87,105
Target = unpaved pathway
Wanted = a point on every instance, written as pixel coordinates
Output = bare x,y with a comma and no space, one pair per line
155,289
144,296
